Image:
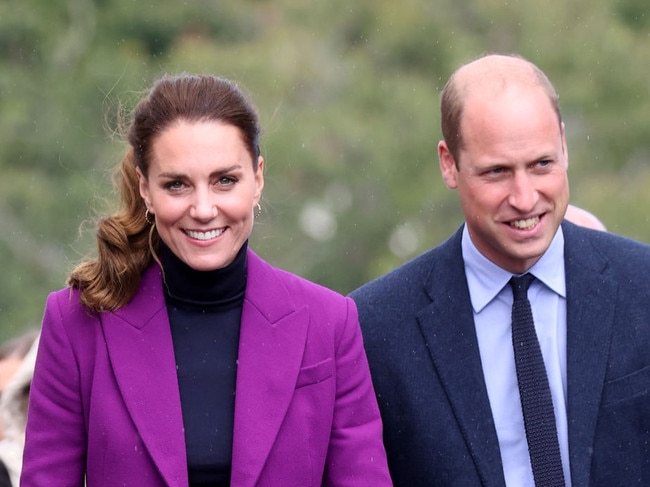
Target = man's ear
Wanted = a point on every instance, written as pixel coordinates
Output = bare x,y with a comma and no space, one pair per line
447,166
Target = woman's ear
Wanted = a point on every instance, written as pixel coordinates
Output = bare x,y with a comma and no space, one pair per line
143,186
259,179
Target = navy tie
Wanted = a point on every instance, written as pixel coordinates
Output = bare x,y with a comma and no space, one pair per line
535,393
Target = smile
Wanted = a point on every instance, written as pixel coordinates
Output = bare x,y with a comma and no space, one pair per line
525,224
204,235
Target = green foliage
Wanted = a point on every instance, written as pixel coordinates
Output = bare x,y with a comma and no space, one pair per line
348,96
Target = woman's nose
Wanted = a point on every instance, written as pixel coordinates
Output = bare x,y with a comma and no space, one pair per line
204,207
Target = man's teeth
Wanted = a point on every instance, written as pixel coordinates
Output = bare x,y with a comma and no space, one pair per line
524,224
204,235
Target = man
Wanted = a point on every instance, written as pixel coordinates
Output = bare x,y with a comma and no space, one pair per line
438,329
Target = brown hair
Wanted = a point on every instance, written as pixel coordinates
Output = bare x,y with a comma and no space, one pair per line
452,103
126,243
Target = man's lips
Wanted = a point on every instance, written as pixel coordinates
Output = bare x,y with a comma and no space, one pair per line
525,224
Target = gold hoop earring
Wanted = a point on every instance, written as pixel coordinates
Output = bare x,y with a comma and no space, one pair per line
149,217
258,210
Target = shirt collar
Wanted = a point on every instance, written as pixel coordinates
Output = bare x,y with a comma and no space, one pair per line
485,279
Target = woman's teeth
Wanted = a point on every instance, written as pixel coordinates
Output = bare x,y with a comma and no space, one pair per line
204,235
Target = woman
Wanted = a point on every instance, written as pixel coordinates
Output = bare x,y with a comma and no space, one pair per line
178,356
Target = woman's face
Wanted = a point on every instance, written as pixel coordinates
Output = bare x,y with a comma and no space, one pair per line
203,191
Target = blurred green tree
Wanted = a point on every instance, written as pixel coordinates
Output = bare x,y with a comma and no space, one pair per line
348,96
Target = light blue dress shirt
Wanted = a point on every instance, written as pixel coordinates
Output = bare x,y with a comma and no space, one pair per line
491,298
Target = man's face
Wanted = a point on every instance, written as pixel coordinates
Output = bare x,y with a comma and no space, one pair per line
511,175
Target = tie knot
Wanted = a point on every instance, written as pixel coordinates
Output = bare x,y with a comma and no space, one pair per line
520,285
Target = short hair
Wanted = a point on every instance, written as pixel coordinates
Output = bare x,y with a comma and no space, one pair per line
453,96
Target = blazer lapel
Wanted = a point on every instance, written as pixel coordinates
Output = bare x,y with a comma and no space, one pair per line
271,345
591,303
139,343
448,328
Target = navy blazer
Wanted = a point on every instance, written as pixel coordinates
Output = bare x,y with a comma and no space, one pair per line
421,342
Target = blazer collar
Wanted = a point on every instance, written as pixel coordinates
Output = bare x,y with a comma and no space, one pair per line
139,343
591,304
272,341
447,325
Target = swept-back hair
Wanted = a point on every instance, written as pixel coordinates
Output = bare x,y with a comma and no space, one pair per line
126,242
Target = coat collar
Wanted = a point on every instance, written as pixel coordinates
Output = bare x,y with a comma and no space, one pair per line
139,342
447,325
272,339
591,304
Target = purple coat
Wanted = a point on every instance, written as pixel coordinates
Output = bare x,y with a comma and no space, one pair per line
105,403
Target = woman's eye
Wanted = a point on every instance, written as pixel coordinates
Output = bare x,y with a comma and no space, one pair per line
227,180
174,185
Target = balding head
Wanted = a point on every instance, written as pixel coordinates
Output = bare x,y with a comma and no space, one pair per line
484,79
510,161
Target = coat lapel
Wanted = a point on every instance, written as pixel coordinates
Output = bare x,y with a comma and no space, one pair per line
448,328
271,345
591,303
139,343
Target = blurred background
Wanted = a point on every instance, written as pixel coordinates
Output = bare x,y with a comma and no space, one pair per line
348,97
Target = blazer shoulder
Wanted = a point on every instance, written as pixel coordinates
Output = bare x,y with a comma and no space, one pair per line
276,292
64,306
263,273
617,253
403,282
289,301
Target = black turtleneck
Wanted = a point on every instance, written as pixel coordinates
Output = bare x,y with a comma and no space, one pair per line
204,312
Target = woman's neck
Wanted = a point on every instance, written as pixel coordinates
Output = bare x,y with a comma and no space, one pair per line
185,285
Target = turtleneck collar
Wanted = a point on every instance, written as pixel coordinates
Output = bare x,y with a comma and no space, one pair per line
188,287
